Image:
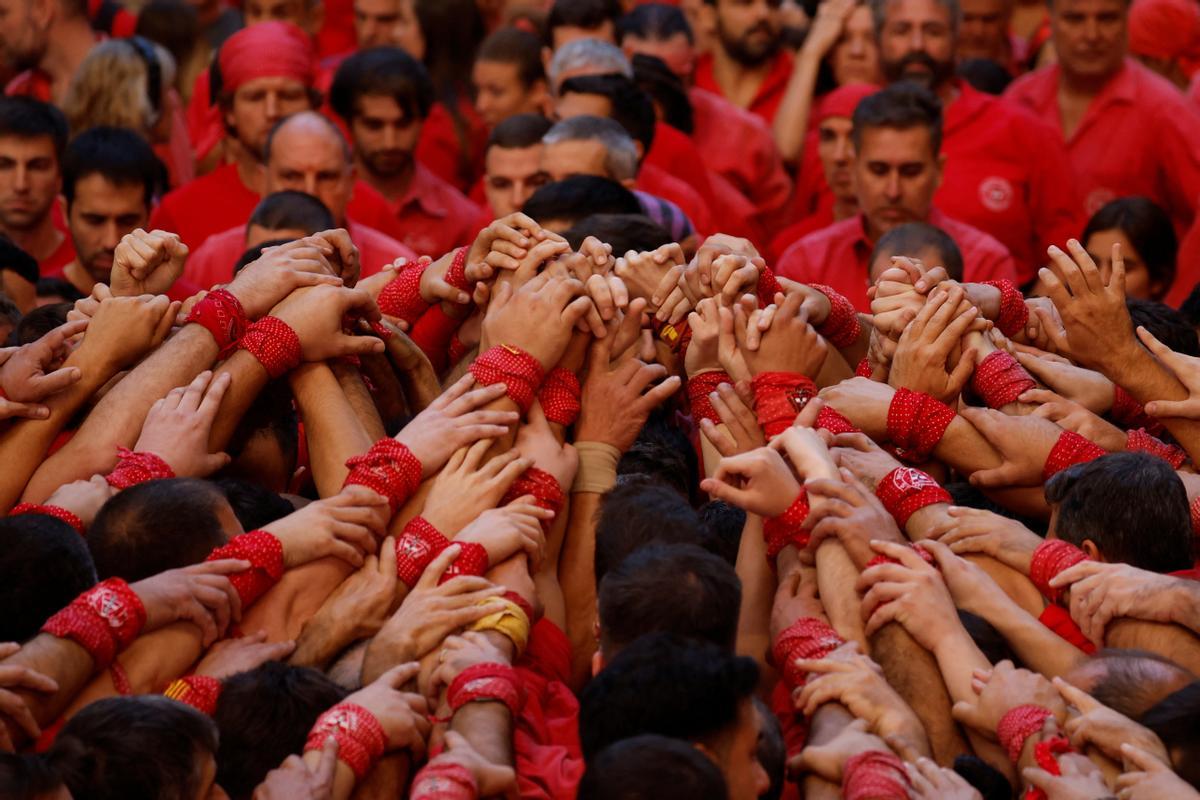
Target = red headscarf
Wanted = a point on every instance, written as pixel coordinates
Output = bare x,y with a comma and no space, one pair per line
842,101
1166,29
267,50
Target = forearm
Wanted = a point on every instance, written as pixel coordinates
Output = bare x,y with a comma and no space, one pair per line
834,369
488,727
827,722
69,664
548,588
343,776
359,397
299,595
836,575
1136,371
577,576
319,642
247,380
758,593
1170,641
1038,647
791,121
333,431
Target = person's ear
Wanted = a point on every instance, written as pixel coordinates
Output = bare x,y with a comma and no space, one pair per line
1093,552
597,663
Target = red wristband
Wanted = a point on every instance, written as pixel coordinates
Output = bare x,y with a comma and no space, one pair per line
1014,314
1138,440
201,692
419,544
788,527
1069,450
472,560
264,551
57,512
1000,379
841,327
134,468
864,369
273,342
768,287
361,739
778,398
1050,558
444,781
543,486
389,469
222,315
103,620
402,296
904,491
832,420
1045,755
520,372
1131,414
874,775
916,548
699,387
807,638
916,422
1017,725
560,396
486,683
456,275
1194,513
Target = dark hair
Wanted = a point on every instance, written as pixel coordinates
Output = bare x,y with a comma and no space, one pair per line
27,777
1127,684
1173,720
586,14
453,31
1132,505
174,24
772,750
985,75
60,287
519,131
654,21
253,505
156,526
725,522
134,747
699,599
517,47
385,71
1147,227
44,565
119,155
664,452
26,118
271,414
987,780
665,684
255,253
15,259
263,716
1169,326
910,238
903,105
578,197
289,210
624,232
653,77
632,516
9,313
631,106
650,767
40,321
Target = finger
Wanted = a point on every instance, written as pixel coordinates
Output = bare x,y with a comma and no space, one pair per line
14,707
437,568
327,766
399,675
17,675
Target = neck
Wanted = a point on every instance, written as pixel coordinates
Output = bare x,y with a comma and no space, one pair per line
844,208
40,241
733,76
393,187
70,41
1083,85
249,169
79,277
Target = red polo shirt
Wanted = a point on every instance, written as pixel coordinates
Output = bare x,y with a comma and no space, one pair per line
1139,136
433,217
1008,175
770,93
440,147
213,262
661,183
838,256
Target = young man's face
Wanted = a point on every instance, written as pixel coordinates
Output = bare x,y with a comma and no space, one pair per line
384,138
745,778
1090,36
22,34
896,174
511,177
500,93
917,42
305,16
101,213
260,103
750,31
389,23
30,180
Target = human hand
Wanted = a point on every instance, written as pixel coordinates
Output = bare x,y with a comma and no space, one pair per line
827,27
1086,387
557,304
931,782
340,251
403,715
1079,779
973,530
1186,370
654,277
862,401
201,594
362,603
347,525
1147,778
827,760
12,705
847,512
1093,311
491,779
1023,443
279,271
923,353
759,482
865,460
295,780
911,593
608,292
30,373
1105,729
468,486
82,498
741,432
1004,688
1072,416
458,653
317,315
126,328
973,590
729,352
177,427
1103,592
795,597
231,657
507,531
805,447
147,263
791,345
457,418
538,444
705,325
502,245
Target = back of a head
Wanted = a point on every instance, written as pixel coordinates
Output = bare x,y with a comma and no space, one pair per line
118,154
578,197
253,505
1148,228
632,108
902,106
624,232
44,565
1131,505
291,210
986,75
588,56
518,47
665,684
122,748
911,238
1174,720
28,777
386,71
635,515
1131,682
1171,327
120,83
263,716
26,118
652,767
586,14
157,526
656,22
673,588
621,155
669,95
519,132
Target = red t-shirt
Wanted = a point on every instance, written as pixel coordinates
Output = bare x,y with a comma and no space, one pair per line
821,218
53,265
838,256
1139,136
660,183
440,147
549,760
33,83
433,217
770,93
211,204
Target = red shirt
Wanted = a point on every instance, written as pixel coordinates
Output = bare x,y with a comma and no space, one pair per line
1008,175
53,265
441,145
213,262
1139,136
838,256
549,760
211,204
770,92
32,83
661,183
821,218
434,217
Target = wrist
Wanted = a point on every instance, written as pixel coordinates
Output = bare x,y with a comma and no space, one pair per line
597,466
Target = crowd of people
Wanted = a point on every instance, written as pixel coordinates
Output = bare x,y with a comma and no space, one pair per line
446,399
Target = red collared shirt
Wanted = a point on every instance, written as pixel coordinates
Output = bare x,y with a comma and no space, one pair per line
208,205
838,256
1139,136
770,93
1008,175
433,217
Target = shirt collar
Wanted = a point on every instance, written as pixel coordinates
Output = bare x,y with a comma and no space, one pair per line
424,192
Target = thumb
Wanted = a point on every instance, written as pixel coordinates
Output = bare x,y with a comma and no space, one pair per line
437,568
1039,778
399,675
996,478
1076,697
1140,759
968,715
216,462
360,345
25,410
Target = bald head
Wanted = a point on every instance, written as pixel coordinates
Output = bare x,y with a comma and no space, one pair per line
307,153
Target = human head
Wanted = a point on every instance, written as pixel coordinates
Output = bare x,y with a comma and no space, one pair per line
1169,326
160,525
384,95
669,97
651,766
265,445
509,76
983,30
109,178
749,31
1165,36
175,25
44,565
103,751
287,215
985,75
855,56
31,777
1126,508
1090,36
10,317
26,28
587,145
307,15
586,57
122,83
613,96
685,689
558,205
571,20
897,138
40,320
662,31
33,136
624,232
1148,244
254,506
1173,720
916,40
266,73
263,716
835,145
389,23
1130,682
306,153
513,162
632,516
920,240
